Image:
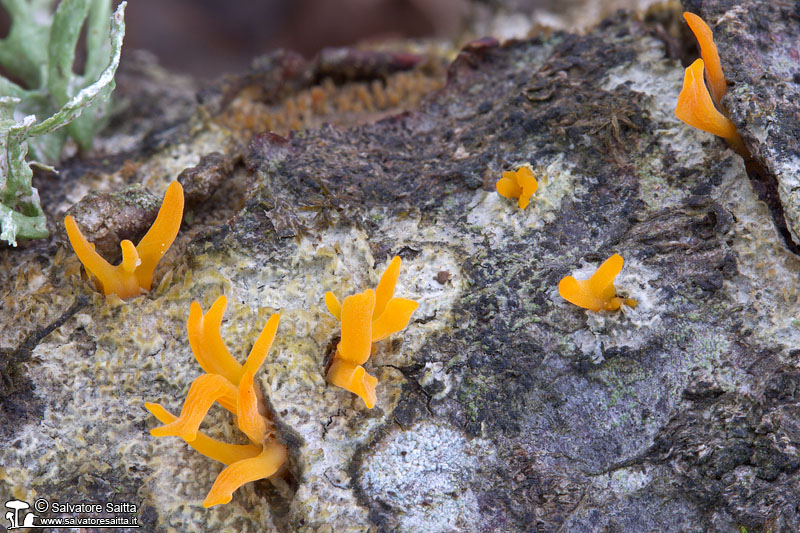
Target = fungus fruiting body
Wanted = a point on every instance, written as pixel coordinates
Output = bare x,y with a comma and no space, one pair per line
134,275
708,51
696,106
366,317
519,185
596,293
231,385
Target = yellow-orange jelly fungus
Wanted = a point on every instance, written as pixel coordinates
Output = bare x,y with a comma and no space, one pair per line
520,184
708,51
231,385
696,109
596,293
695,105
366,317
134,275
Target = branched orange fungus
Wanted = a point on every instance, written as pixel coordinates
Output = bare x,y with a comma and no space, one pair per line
520,184
695,104
366,317
231,385
708,51
696,108
134,275
596,293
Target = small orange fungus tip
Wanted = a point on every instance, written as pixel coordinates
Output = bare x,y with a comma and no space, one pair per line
697,110
355,379
366,317
333,305
520,184
230,384
134,275
708,51
264,465
596,293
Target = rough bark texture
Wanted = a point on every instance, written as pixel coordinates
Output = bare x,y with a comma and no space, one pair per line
501,407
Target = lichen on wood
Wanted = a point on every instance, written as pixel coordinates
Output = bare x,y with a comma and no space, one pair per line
52,101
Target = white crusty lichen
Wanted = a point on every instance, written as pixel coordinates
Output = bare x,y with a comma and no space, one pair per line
39,52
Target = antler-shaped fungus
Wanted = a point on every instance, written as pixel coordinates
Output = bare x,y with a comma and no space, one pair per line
134,275
695,105
366,317
696,109
355,347
596,293
708,51
231,385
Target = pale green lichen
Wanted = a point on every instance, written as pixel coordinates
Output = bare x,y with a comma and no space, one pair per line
39,51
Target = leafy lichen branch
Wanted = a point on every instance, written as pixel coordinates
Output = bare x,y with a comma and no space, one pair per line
40,55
